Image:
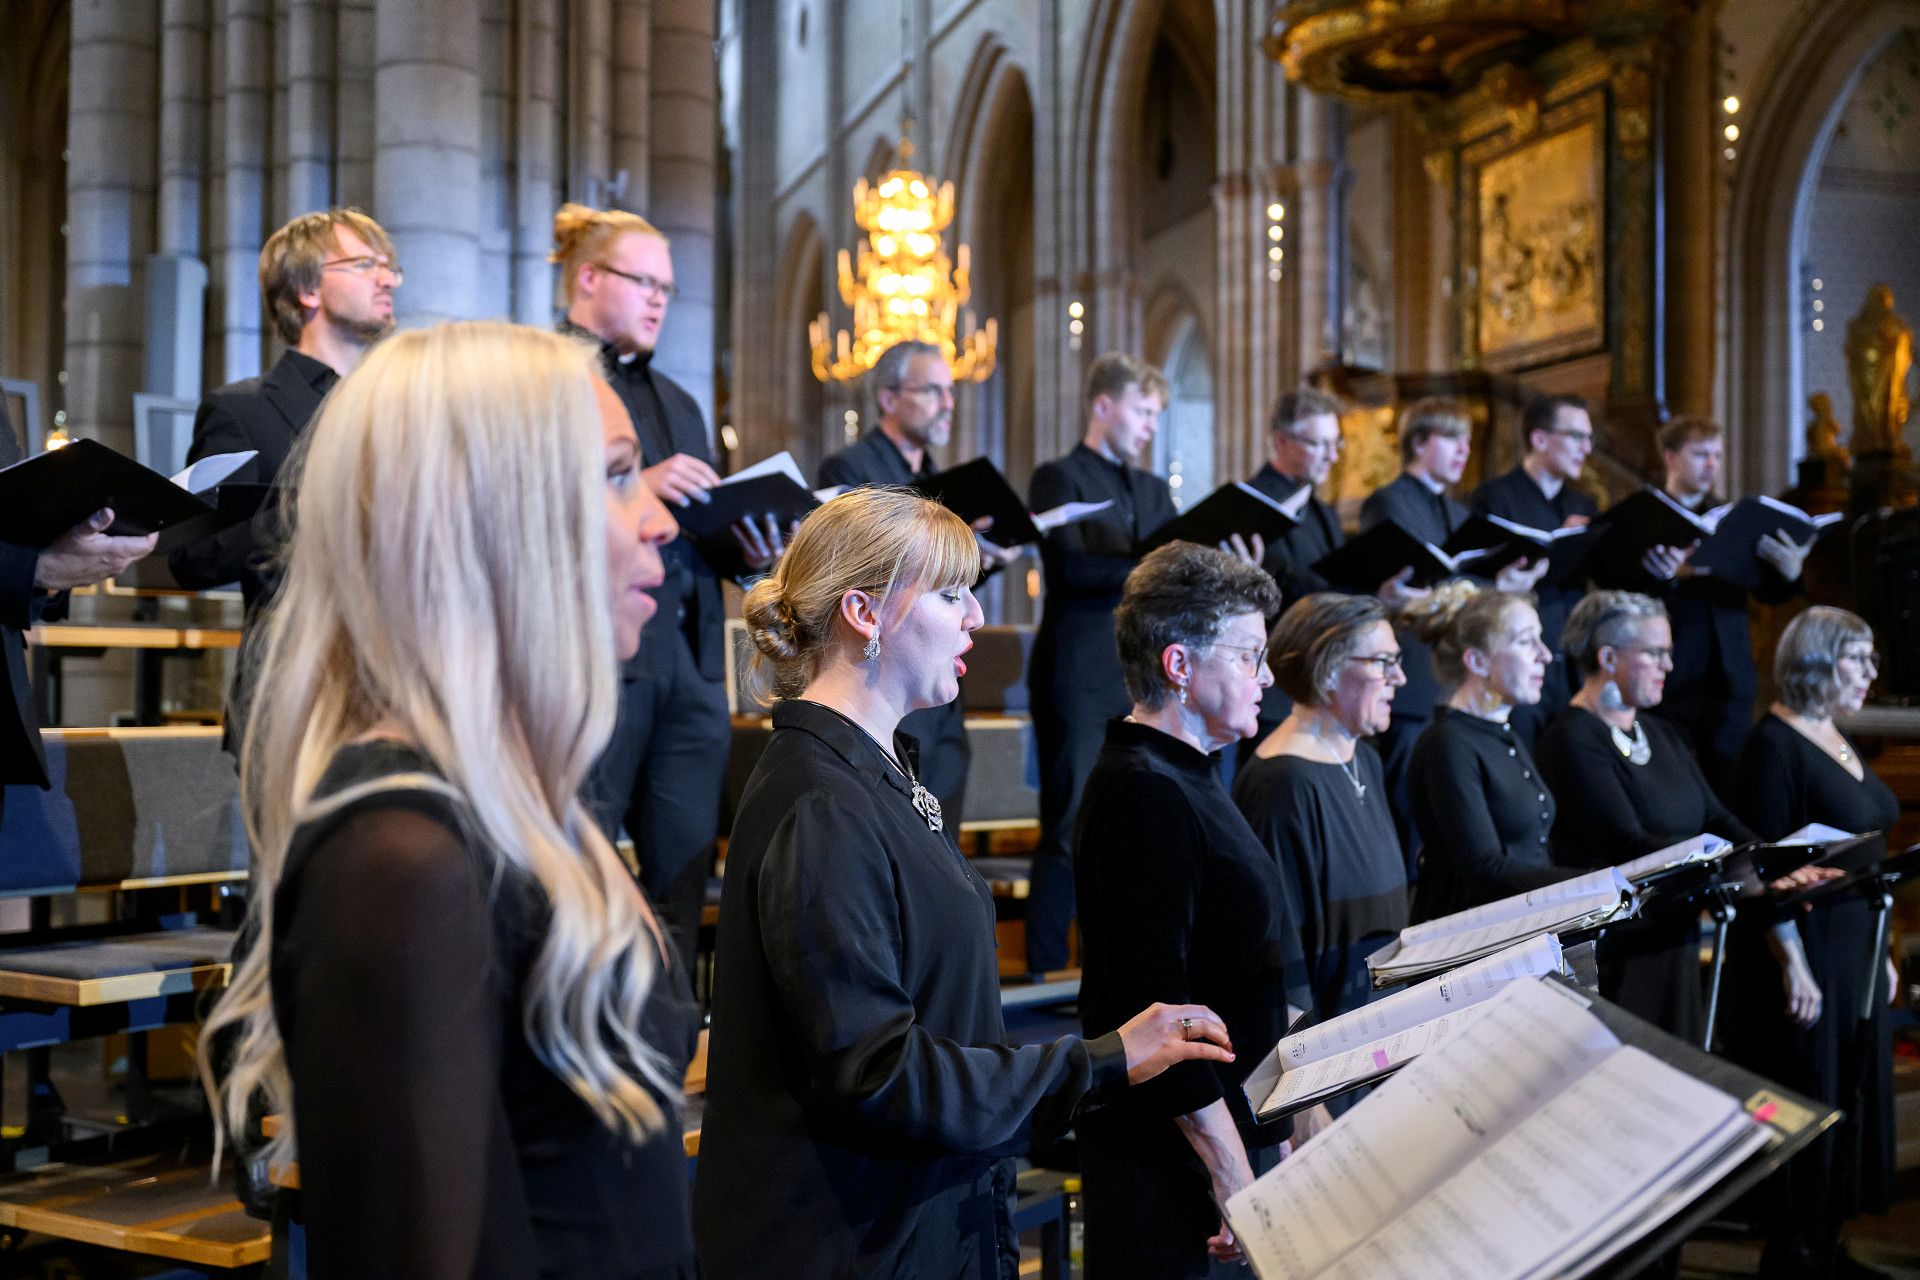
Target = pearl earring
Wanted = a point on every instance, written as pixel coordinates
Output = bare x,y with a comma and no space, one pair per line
1183,695
872,649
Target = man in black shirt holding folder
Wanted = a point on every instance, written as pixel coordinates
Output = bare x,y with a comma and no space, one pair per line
913,393
1711,690
34,582
1541,494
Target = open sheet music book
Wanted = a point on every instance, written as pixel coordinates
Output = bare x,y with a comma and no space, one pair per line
1330,1058
1599,897
1529,1143
1702,848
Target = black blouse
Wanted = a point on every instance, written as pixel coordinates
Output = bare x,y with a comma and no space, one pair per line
863,1105
1784,781
1483,812
1611,810
1340,860
433,1140
1178,904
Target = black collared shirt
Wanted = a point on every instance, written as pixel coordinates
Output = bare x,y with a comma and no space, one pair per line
862,1103
1484,814
1086,563
874,459
1290,558
1411,504
1516,496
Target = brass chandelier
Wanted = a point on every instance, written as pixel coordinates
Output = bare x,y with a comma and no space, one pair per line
905,288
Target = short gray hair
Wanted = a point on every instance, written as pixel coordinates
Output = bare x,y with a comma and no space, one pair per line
889,372
1809,650
1602,620
1314,639
1182,593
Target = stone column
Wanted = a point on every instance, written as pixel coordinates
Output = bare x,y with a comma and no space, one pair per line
110,211
683,125
234,249
183,125
1693,161
589,37
1312,237
632,58
426,168
757,362
533,193
353,104
311,45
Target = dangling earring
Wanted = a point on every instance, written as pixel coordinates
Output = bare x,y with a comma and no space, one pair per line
1610,699
1183,695
872,649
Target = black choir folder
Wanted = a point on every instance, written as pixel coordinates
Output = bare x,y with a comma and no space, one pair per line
1361,565
976,490
1236,508
1552,1135
49,493
1729,536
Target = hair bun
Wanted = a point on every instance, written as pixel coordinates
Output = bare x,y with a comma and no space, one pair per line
771,624
567,223
1431,615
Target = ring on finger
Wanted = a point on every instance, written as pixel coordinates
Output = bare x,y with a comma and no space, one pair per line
1186,1028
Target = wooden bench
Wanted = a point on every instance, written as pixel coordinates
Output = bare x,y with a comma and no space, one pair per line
156,1205
115,970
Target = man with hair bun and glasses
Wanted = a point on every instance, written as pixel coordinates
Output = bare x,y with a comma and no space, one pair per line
1543,493
1711,691
663,771
327,281
912,388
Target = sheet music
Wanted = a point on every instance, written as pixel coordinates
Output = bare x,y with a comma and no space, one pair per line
1520,905
1532,534
1417,1129
1435,952
1523,1141
1352,1038
212,469
782,462
1702,848
1815,833
1356,1066
1068,513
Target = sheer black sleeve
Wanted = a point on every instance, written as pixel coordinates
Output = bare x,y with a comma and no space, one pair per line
392,1008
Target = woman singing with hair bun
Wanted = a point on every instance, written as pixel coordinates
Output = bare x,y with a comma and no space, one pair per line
863,1106
456,994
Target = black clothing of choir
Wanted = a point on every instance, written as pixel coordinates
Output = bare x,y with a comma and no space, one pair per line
1430,517
1611,811
1338,856
940,731
1516,496
23,758
1074,684
663,771
1783,782
267,414
433,1141
863,1107
1180,904
1290,559
1484,815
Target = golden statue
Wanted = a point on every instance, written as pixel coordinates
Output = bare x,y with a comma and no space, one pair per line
1879,353
1823,437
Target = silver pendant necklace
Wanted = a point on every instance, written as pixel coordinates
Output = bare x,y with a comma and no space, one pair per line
1636,748
1359,787
924,801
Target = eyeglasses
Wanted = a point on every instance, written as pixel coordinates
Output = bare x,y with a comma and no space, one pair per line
1258,656
1387,663
1870,660
364,266
938,390
646,284
1657,653
1584,437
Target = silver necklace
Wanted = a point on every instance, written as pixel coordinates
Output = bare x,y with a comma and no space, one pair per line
1359,787
1636,749
924,801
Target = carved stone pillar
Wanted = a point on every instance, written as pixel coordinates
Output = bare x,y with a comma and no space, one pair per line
682,128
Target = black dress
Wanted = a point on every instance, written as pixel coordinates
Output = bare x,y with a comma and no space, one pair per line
1339,860
1178,904
1611,811
433,1141
1484,815
863,1106
1783,782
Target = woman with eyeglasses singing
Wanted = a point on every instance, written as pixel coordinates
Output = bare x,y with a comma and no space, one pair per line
1625,785
1479,803
1178,904
1797,1004
1315,795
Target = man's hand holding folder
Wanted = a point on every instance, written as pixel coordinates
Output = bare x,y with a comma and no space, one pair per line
86,554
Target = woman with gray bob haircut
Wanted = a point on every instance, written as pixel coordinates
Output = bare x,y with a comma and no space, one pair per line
1796,1004
1176,895
1627,784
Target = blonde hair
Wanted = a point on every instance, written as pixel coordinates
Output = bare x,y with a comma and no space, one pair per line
293,257
447,482
582,235
1115,371
879,540
1457,616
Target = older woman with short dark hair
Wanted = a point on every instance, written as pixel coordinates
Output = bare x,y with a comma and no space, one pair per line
1796,1005
1177,896
1626,784
1314,792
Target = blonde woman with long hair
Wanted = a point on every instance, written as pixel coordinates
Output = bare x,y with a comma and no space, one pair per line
863,1106
456,994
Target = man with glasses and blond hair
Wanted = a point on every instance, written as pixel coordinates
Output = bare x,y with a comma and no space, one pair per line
912,389
663,771
327,280
1543,493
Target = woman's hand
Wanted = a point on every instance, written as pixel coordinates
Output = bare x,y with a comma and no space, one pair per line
1522,575
1163,1034
1803,994
1805,876
1893,982
1217,1142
